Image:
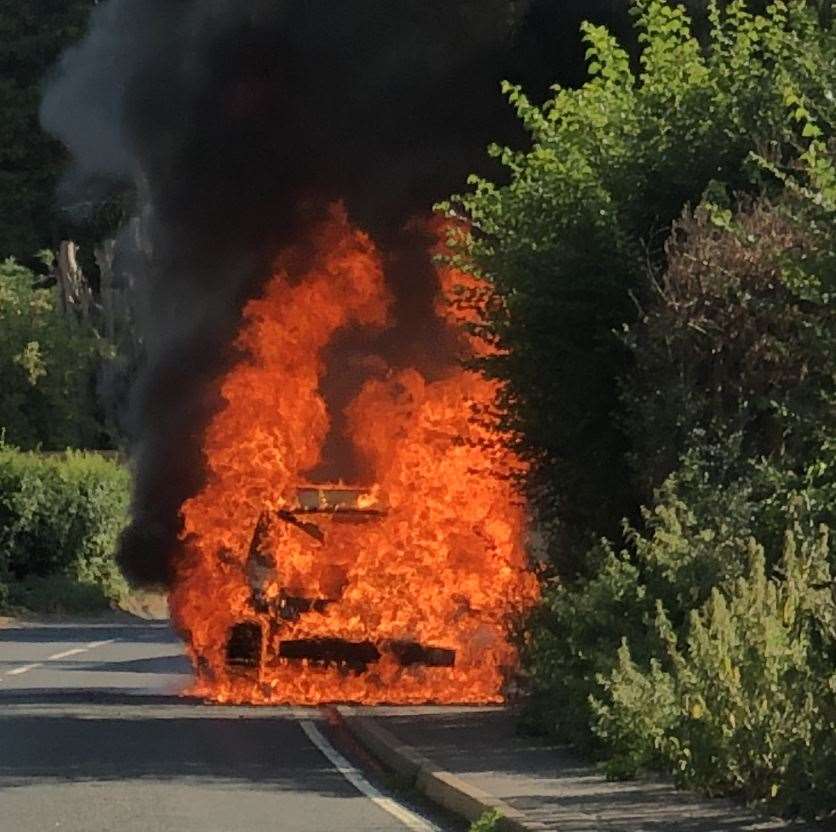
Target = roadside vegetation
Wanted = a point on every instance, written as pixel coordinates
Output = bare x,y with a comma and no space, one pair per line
488,822
60,513
67,347
60,518
662,261
50,363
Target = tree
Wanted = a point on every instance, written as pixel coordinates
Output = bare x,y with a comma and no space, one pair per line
738,338
706,645
32,35
565,242
48,366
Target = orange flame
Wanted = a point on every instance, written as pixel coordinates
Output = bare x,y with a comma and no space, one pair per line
431,554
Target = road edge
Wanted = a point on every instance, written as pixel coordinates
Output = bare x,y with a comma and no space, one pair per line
441,787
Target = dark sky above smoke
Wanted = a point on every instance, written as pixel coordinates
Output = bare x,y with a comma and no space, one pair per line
238,120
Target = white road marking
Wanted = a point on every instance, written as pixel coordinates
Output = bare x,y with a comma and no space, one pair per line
56,656
94,644
414,822
66,654
25,669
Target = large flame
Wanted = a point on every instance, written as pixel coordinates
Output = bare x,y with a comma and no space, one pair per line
433,555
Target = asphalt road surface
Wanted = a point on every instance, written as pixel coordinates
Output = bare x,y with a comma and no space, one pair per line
94,738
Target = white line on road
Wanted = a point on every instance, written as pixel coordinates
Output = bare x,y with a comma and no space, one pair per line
414,822
25,669
94,644
66,654
56,656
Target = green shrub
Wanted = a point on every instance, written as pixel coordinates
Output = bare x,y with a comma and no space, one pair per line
564,240
742,699
737,340
488,822
690,371
57,594
572,637
693,540
746,701
61,515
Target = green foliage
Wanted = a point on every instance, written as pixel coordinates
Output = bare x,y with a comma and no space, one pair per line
737,339
32,35
60,518
603,652
572,638
56,595
635,728
565,242
748,703
679,357
48,364
488,822
689,543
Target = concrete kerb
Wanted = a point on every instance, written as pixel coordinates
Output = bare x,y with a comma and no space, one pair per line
439,786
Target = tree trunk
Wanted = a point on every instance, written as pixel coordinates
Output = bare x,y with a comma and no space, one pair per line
74,293
105,255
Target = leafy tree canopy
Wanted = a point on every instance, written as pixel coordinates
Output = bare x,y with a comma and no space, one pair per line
48,368
32,36
566,240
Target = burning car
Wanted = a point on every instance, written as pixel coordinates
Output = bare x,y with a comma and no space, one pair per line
399,591
248,647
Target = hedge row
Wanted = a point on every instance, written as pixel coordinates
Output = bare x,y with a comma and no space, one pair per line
60,519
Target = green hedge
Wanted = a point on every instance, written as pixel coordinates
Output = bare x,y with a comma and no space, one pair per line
706,646
743,699
60,519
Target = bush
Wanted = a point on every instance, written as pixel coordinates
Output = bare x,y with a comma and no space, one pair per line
489,821
572,638
693,541
57,594
738,339
61,516
690,371
746,702
565,240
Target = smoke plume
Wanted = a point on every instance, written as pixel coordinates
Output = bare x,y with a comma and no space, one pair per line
238,120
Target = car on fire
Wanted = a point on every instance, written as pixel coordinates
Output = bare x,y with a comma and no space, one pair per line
248,642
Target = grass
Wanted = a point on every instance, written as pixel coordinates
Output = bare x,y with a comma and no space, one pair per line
64,596
54,595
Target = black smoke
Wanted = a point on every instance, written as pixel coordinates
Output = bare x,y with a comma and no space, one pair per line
237,120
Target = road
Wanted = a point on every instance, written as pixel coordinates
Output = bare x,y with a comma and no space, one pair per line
93,738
